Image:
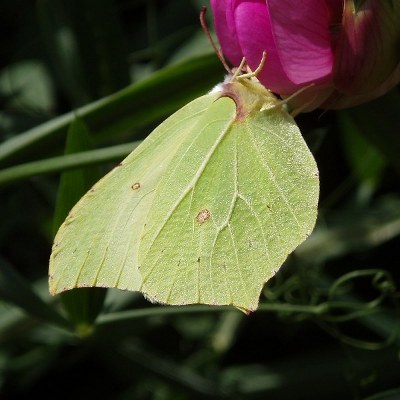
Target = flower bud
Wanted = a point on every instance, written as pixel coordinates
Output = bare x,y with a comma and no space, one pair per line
367,54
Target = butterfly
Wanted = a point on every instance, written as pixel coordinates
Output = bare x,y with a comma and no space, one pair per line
205,210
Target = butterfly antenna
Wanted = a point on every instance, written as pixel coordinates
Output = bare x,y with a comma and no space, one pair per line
261,65
256,72
239,69
300,109
218,52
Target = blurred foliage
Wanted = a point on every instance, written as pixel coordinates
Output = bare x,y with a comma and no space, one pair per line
328,324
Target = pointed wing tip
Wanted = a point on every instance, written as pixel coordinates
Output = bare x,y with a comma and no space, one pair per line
245,309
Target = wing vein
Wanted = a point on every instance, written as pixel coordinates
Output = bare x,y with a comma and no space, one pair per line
272,176
246,291
257,217
195,178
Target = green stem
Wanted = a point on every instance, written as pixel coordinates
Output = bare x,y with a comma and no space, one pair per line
131,108
174,310
65,162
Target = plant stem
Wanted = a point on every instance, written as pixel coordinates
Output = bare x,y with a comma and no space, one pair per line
65,162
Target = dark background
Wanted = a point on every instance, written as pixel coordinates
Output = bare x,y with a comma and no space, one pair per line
57,56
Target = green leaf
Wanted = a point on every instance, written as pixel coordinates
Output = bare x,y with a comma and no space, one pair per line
61,163
198,386
206,210
29,86
16,290
353,230
131,108
85,47
81,305
73,184
366,162
379,122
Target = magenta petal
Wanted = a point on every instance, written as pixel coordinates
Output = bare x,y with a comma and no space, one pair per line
254,33
302,36
226,31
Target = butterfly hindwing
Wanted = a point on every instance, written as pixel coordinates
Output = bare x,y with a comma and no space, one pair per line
255,182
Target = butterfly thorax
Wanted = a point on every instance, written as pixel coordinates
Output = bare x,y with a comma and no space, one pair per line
249,95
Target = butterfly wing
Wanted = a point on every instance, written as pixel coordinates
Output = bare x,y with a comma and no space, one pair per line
98,243
204,211
239,197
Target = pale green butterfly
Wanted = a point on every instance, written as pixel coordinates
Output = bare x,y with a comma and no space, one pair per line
205,210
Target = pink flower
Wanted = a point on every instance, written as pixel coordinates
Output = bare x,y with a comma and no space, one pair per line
350,54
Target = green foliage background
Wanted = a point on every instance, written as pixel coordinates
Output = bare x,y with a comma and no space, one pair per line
106,72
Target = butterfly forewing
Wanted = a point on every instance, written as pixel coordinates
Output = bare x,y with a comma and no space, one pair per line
98,243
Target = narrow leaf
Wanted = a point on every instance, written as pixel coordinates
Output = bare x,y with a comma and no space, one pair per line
129,109
81,305
379,122
16,290
66,162
74,183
